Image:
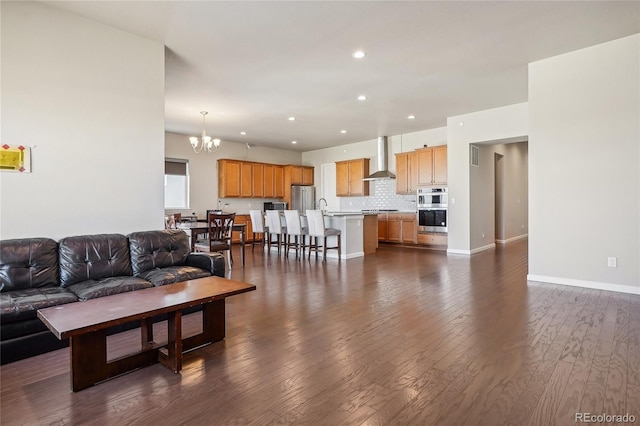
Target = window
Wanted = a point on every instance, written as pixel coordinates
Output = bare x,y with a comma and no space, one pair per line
176,184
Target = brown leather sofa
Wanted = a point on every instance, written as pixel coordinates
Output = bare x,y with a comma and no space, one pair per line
36,273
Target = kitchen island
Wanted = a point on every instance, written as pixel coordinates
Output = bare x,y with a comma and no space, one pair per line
359,233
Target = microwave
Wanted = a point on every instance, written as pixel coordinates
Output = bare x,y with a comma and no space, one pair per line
275,205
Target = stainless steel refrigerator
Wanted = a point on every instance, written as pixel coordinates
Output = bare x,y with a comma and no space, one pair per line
303,198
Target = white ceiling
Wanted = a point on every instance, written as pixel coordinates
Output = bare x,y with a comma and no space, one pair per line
254,64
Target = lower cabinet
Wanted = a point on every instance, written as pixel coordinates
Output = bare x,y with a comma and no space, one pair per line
397,227
433,239
242,219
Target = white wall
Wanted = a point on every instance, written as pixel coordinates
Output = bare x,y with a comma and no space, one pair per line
89,99
584,159
498,125
203,171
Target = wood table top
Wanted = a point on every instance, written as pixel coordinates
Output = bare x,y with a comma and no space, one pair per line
95,314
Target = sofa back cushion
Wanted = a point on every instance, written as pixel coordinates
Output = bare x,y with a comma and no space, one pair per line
28,263
92,257
158,249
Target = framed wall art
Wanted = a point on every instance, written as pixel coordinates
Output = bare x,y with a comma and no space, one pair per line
15,158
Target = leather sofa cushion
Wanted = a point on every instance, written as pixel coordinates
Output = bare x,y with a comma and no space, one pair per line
19,305
91,289
12,330
92,257
158,249
173,274
28,263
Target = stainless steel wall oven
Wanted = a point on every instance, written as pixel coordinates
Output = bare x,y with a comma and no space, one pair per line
432,209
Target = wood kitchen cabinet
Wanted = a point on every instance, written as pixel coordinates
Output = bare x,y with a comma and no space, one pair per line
299,175
438,240
268,172
238,178
401,228
258,180
406,172
278,181
229,178
432,166
235,179
349,175
242,219
382,227
246,179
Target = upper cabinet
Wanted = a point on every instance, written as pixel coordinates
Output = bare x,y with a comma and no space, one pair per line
349,175
229,178
259,180
299,175
251,180
406,172
422,167
432,166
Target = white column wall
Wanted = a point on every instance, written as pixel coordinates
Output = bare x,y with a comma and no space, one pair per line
89,100
584,154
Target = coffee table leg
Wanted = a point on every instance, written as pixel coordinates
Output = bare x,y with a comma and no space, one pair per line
88,359
174,346
213,321
146,329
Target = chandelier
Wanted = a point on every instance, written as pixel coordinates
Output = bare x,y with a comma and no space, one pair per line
205,143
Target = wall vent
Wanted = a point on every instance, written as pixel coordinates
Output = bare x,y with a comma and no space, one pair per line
475,156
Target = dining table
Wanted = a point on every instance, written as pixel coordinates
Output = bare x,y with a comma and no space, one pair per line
202,227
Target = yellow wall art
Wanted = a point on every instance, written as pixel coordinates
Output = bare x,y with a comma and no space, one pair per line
15,158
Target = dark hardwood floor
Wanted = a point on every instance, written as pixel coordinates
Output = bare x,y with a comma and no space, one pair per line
402,337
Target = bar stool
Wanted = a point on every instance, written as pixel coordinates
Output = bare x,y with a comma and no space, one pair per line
295,229
315,219
258,227
276,229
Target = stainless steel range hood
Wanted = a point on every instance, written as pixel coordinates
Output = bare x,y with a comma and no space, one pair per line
383,172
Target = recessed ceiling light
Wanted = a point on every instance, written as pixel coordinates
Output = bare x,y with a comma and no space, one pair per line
461,123
362,98
411,117
343,131
359,54
243,133
292,119
294,142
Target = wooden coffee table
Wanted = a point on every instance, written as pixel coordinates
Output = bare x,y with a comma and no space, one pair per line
86,324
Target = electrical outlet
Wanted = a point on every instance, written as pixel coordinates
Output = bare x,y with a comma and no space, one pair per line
483,235
612,262
453,201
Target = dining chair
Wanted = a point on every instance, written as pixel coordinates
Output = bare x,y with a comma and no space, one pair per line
258,228
317,230
276,229
219,234
296,230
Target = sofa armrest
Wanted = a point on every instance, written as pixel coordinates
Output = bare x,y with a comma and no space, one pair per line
212,262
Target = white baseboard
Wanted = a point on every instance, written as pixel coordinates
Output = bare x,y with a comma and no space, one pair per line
586,284
334,255
462,252
473,251
512,239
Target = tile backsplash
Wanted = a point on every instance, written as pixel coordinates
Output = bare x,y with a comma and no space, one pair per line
382,196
